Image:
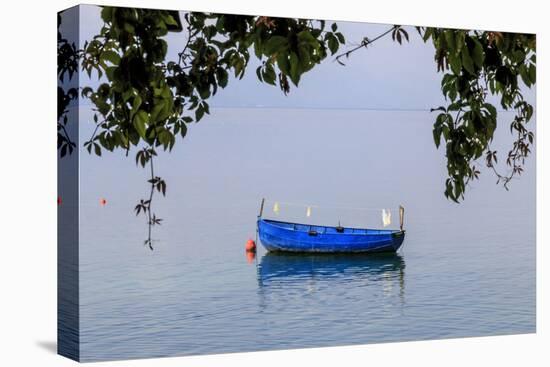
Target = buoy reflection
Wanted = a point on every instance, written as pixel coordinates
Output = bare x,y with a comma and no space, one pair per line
250,257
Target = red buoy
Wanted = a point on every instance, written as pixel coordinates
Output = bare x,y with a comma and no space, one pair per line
250,245
103,201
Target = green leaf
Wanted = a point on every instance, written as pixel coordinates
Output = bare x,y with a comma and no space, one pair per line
127,94
294,72
460,40
283,63
275,45
524,75
456,64
157,111
199,113
305,59
110,56
165,137
404,33
183,131
477,54
332,44
168,19
107,13
135,106
258,47
110,72
97,149
467,61
140,119
532,74
206,107
492,110
450,40
437,135
222,77
307,38
269,74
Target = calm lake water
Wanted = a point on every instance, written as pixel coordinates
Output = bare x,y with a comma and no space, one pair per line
465,270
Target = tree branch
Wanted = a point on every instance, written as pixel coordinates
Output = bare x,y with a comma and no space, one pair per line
366,42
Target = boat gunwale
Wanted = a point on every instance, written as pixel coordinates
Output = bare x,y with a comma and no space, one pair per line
392,232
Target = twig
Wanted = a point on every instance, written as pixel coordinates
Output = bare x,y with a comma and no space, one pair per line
366,41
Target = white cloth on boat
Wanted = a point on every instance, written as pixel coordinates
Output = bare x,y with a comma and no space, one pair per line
386,217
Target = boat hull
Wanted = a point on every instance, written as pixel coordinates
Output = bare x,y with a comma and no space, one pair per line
295,237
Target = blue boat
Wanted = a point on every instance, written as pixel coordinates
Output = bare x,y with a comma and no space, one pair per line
296,237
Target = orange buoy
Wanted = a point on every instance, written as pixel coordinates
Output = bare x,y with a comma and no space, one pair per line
102,201
59,201
250,245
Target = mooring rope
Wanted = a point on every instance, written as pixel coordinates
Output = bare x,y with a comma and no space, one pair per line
327,206
385,212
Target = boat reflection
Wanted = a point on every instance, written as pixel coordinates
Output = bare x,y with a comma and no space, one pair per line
288,270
